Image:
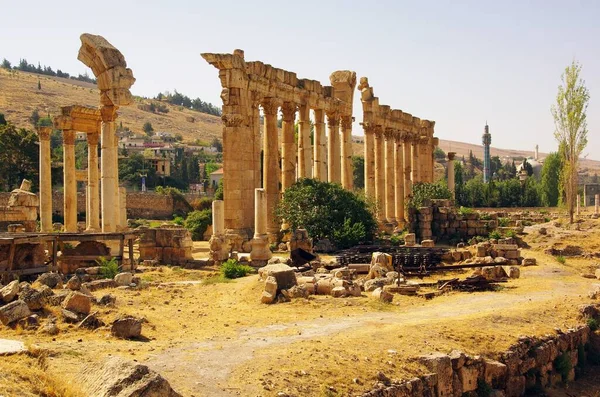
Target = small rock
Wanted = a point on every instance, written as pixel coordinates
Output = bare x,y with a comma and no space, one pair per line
107,300
50,328
77,302
52,280
124,278
91,322
69,316
127,328
74,283
267,297
9,292
338,292
383,378
529,262
14,311
34,298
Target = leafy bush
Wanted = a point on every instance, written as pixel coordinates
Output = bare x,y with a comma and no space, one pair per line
109,268
495,235
465,211
592,323
178,220
428,191
510,233
233,269
484,216
561,259
503,222
219,191
197,222
326,210
397,239
349,234
178,197
562,365
202,204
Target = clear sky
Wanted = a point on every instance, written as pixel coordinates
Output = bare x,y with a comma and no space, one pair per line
459,63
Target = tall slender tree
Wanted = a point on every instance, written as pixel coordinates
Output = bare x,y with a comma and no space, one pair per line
569,114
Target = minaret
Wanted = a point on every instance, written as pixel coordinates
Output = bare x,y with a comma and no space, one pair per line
537,153
487,141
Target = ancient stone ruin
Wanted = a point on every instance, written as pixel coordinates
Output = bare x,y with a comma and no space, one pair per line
21,211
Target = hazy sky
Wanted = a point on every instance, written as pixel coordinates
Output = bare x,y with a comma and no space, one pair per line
459,63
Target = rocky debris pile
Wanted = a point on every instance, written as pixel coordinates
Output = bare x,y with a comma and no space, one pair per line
168,245
118,377
488,253
300,239
457,255
530,363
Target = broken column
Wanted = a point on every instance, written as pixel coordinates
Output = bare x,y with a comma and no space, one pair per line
451,186
369,161
288,145
70,181
122,208
93,190
45,180
416,162
108,174
260,253
219,246
406,145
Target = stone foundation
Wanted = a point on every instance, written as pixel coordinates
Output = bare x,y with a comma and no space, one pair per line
167,245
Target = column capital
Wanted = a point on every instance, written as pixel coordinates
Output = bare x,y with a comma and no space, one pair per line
108,113
388,134
451,155
69,137
44,133
346,122
333,119
92,138
288,111
270,106
232,120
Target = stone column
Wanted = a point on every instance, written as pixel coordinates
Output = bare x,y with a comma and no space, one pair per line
451,186
108,173
415,160
597,204
271,164
70,181
288,146
333,143
399,180
45,180
347,169
118,209
304,146
256,143
260,253
578,203
379,175
320,163
219,245
123,208
406,145
390,189
93,190
369,161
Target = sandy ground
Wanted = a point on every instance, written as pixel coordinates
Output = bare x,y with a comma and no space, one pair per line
210,338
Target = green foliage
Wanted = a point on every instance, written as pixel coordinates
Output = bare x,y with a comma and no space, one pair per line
132,168
439,154
46,70
178,220
233,269
324,209
561,259
397,239
465,211
428,191
550,184
562,365
217,144
148,129
510,233
358,175
483,388
185,101
508,193
204,203
197,222
219,191
503,222
592,323
349,235
495,235
2,119
109,268
19,156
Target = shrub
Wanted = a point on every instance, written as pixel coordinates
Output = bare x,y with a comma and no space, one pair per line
484,216
503,222
197,222
233,269
495,235
465,211
178,220
109,268
202,204
510,233
592,323
428,191
561,259
562,365
349,234
326,210
397,239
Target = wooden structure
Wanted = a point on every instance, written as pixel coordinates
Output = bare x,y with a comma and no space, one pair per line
55,240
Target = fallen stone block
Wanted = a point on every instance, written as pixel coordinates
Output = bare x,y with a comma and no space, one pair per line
100,284
338,292
529,262
126,328
9,292
285,275
267,298
125,278
14,311
52,280
77,302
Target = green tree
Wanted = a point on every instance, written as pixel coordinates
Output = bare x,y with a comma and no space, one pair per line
148,129
327,210
19,158
216,143
550,186
39,85
570,121
133,167
358,174
35,117
439,154
6,64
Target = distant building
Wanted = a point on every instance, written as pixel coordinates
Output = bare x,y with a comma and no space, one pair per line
162,166
589,192
215,178
131,142
535,165
487,141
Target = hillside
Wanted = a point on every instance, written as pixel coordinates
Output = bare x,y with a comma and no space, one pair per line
19,96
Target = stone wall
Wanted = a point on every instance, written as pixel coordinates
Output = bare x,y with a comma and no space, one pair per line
530,364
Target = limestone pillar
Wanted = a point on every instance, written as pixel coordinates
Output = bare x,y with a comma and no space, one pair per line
597,204
260,244
304,146
218,243
451,185
399,180
288,146
415,160
369,161
390,189
70,181
406,145
93,190
333,143
435,143
108,173
122,208
319,148
256,143
379,175
115,148
347,169
271,164
45,180
578,203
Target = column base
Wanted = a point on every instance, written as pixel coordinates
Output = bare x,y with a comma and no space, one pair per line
260,250
236,238
219,248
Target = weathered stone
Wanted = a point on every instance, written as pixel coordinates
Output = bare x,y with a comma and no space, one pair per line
33,298
298,291
124,278
285,275
515,386
441,365
100,284
512,271
529,262
9,292
271,285
468,377
458,359
428,243
52,280
74,283
338,292
267,297
494,373
77,302
14,311
107,300
126,328
91,321
117,377
410,239
9,347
